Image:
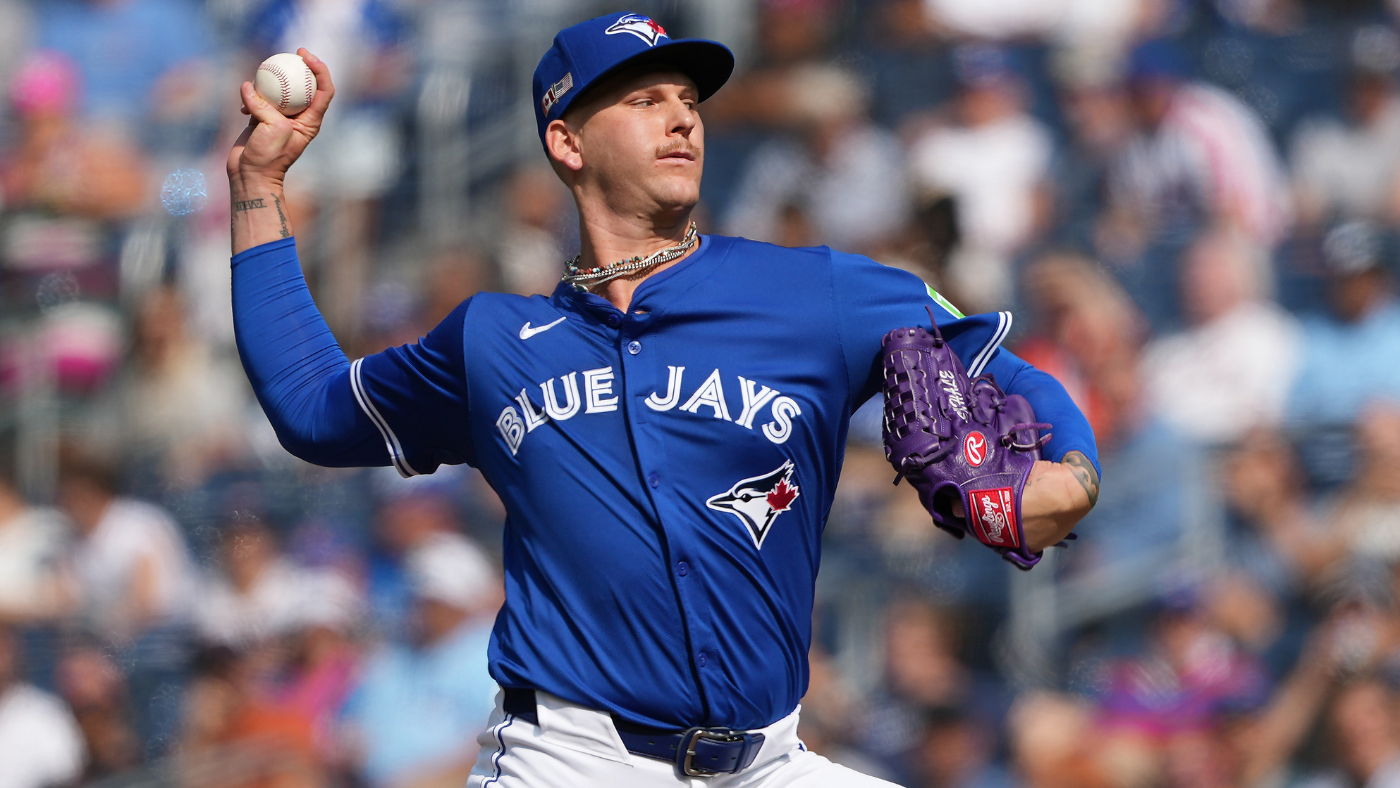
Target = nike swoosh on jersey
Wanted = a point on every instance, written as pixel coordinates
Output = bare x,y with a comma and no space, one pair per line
526,331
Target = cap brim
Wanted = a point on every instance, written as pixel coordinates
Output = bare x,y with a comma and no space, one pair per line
708,63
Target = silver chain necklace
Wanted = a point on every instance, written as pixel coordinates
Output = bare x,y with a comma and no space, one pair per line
588,277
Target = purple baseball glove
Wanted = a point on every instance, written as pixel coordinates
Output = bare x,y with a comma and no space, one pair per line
957,439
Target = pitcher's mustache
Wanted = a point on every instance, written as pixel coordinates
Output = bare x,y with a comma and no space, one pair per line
679,146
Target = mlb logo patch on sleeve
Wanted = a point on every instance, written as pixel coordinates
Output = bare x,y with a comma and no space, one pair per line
994,515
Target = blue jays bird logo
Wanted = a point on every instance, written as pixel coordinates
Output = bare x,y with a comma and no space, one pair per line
640,26
758,500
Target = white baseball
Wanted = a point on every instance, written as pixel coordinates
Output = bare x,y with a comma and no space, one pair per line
286,82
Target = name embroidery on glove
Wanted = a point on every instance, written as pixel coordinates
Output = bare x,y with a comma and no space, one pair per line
949,382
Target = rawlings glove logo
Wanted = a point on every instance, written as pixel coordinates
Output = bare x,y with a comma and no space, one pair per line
758,500
993,515
975,448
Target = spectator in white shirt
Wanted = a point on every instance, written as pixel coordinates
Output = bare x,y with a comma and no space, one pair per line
840,169
1200,157
40,743
1350,168
992,160
32,545
130,561
176,411
259,594
1071,22
1229,371
135,586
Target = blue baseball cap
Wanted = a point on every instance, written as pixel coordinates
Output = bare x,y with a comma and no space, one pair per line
588,52
1158,60
981,65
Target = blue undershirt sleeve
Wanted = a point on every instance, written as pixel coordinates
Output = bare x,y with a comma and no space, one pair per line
1069,429
327,410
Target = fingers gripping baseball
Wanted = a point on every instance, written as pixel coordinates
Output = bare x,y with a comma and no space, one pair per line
325,91
273,142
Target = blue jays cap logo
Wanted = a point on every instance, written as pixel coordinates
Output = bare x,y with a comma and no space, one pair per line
640,26
758,500
598,48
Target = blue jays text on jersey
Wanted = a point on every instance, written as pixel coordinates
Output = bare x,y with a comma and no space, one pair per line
666,472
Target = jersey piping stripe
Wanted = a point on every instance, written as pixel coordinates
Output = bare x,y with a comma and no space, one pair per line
1003,328
499,733
391,441
985,356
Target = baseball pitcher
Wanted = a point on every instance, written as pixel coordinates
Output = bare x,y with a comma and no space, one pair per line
666,429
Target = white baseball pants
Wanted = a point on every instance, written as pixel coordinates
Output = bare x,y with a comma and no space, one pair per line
575,747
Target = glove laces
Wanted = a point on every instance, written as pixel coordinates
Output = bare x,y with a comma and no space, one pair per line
1009,439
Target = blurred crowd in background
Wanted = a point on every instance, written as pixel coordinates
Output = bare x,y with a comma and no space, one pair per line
1191,206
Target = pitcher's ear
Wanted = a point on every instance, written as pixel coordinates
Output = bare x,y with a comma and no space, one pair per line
561,142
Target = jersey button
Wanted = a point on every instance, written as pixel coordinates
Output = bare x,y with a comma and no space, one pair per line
634,347
701,660
654,481
682,569
613,321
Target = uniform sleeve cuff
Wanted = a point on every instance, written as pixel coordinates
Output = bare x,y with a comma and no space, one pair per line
271,247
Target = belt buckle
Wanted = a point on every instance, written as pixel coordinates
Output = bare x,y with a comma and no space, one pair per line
688,740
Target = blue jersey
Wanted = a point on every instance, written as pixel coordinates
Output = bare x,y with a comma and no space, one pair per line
666,472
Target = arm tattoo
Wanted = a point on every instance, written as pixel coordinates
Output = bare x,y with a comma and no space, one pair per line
285,232
1083,470
248,205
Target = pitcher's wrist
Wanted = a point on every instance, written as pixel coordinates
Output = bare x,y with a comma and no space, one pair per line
258,214
244,184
